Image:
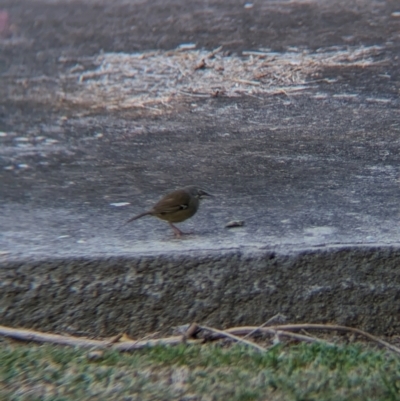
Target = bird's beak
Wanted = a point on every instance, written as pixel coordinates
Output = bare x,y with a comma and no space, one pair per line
206,194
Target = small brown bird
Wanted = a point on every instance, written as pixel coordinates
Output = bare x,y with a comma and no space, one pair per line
175,207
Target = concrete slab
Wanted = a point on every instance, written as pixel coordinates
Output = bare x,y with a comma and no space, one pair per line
293,125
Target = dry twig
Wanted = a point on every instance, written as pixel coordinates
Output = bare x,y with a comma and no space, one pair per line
240,331
134,345
333,327
277,316
225,333
234,333
36,336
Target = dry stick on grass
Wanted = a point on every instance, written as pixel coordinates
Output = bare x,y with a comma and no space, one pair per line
277,316
190,332
333,327
234,332
239,331
302,337
225,333
218,334
306,333
287,328
134,345
115,339
30,335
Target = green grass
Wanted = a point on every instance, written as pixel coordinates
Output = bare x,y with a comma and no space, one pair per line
205,372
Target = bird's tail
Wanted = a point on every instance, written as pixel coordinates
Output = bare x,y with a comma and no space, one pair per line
135,218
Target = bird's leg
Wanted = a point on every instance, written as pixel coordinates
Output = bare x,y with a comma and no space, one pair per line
178,233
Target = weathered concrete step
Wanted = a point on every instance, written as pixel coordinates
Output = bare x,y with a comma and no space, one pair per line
355,286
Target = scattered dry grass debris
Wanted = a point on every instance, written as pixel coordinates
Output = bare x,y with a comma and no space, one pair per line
155,80
145,80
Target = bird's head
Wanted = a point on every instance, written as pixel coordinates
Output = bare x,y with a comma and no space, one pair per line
197,192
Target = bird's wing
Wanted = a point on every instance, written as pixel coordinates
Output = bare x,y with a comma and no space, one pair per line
172,203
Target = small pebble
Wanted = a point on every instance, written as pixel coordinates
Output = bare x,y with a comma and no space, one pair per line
235,223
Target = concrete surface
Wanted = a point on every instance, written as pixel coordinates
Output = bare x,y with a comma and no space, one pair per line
309,161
